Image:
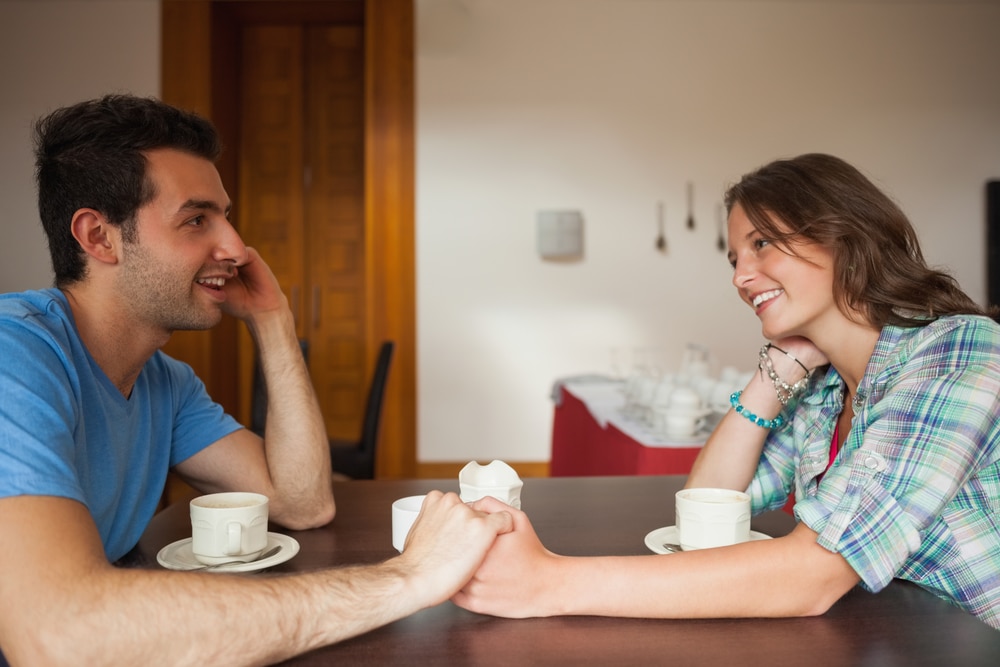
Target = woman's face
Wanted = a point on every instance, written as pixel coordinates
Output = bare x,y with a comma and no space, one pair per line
790,288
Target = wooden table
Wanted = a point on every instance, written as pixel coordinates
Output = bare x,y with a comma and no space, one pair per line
903,625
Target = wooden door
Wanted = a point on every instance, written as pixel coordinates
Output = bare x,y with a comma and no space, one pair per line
301,201
324,271
336,255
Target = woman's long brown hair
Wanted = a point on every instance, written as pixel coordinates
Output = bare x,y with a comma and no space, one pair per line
879,270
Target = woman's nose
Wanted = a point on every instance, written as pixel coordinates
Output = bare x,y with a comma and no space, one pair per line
743,272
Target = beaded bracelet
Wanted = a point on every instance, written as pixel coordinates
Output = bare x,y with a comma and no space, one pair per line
785,391
734,400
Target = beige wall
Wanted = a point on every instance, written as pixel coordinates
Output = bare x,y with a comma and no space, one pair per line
52,53
607,106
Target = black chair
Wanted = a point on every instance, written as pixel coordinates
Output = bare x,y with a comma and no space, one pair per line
356,458
351,458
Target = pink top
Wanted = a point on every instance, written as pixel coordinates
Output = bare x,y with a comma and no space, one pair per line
834,447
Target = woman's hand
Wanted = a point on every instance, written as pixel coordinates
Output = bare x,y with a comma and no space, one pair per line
803,350
513,580
448,542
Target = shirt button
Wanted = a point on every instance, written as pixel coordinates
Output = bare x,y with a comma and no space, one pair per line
873,460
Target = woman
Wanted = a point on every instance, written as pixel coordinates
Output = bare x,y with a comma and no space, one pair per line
875,405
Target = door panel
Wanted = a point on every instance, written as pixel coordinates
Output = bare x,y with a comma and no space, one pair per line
335,214
270,211
302,196
201,64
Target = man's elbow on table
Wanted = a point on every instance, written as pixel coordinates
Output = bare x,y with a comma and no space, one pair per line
304,516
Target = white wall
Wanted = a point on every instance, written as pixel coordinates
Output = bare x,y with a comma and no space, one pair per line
603,105
53,53
611,105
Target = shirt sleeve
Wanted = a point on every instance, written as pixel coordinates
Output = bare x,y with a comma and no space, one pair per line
38,415
775,477
198,420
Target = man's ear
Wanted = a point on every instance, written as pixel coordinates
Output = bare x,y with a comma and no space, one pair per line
98,238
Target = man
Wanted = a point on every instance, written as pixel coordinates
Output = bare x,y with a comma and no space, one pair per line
93,416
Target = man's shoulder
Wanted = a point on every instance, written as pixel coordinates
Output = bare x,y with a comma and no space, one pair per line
32,304
42,316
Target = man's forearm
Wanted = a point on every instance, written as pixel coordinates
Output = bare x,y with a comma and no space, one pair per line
212,619
295,439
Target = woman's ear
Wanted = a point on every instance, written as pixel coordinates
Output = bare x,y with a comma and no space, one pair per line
98,238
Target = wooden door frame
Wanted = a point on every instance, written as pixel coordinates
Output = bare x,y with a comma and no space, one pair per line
192,79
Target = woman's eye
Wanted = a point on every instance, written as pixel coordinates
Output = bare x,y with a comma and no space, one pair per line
760,243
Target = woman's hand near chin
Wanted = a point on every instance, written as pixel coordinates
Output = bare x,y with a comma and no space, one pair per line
803,350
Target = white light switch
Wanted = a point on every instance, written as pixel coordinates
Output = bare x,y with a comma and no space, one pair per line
560,234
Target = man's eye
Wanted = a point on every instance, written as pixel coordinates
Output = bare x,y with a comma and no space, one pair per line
197,221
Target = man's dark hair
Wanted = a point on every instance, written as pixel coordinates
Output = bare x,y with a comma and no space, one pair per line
92,155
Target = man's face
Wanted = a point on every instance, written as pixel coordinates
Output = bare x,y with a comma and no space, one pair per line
185,247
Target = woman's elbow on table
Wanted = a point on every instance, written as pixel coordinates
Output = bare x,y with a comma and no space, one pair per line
816,577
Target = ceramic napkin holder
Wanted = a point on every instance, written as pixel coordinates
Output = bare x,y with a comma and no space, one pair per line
496,479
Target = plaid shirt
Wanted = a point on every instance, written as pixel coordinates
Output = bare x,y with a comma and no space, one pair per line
915,491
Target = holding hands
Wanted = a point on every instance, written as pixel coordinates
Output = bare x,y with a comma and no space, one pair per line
449,541
516,566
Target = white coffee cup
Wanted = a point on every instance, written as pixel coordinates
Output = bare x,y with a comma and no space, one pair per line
404,513
682,423
228,527
685,398
709,518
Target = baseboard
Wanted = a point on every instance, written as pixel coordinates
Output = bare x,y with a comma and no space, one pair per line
448,470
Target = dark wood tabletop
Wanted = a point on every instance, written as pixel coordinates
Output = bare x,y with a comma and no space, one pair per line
903,625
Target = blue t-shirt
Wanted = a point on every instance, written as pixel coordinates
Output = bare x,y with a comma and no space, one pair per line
66,430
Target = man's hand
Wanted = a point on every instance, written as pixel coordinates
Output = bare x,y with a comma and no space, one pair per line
512,578
254,289
447,544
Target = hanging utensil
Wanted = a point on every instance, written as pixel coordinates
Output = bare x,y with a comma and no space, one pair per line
661,240
690,198
721,242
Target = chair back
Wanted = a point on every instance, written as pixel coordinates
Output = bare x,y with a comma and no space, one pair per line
376,396
357,459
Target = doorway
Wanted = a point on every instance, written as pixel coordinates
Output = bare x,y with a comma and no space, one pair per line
314,101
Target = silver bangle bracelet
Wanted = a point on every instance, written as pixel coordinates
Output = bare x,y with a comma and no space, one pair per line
786,392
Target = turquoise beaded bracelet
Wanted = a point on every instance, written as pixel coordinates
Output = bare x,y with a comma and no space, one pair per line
734,400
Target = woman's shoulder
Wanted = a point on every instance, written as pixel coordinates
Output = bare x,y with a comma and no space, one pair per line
969,338
967,328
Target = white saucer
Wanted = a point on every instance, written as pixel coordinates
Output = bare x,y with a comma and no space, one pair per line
656,538
178,556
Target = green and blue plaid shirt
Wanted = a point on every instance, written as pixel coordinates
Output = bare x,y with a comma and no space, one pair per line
915,491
